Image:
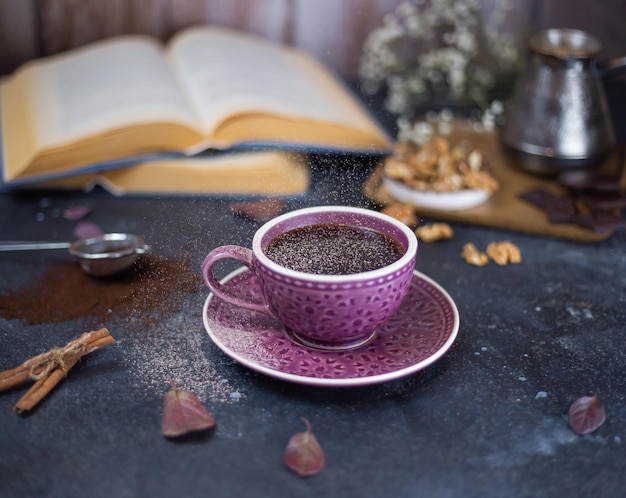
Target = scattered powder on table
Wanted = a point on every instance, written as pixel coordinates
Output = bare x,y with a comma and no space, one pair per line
151,310
152,287
175,350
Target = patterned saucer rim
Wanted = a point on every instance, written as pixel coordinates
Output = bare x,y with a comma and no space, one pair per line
338,382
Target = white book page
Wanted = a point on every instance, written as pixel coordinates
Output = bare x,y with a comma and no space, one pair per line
111,84
227,73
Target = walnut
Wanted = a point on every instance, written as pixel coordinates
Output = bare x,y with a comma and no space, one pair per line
475,160
473,256
438,166
434,232
480,180
397,169
441,144
504,253
402,213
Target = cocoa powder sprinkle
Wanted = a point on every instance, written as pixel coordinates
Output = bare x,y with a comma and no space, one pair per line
154,307
153,287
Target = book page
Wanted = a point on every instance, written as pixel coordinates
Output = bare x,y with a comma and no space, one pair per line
226,73
111,84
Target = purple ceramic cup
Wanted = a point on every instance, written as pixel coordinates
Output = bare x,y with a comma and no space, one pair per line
331,312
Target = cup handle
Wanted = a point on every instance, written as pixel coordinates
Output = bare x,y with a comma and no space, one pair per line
240,254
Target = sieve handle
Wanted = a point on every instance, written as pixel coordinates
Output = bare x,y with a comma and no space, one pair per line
32,246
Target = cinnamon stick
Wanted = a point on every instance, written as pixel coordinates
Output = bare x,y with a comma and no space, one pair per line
45,384
49,368
13,377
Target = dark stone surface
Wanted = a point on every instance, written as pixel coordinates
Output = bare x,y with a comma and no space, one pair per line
489,419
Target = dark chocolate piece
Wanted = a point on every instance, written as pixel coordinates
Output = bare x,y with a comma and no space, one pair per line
559,209
602,202
601,221
600,213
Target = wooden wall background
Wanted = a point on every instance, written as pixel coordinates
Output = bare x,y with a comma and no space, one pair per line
332,30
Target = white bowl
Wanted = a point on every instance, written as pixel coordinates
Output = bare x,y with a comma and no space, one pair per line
444,201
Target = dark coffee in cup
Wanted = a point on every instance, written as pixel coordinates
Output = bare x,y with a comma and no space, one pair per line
333,249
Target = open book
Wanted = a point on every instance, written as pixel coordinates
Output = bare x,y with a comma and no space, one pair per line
262,173
114,101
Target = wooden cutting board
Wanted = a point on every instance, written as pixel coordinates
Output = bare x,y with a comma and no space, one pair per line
504,210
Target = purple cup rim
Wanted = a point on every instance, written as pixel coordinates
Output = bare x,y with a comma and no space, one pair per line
408,256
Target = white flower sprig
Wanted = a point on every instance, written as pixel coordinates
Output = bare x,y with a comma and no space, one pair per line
441,123
437,49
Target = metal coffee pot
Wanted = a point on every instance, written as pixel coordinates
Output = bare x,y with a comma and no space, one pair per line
557,118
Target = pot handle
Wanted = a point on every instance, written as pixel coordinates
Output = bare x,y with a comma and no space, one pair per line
611,67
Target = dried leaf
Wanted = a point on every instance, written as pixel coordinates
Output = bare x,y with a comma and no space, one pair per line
86,230
586,414
261,210
183,413
303,454
76,212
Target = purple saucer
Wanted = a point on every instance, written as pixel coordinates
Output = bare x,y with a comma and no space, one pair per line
417,335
